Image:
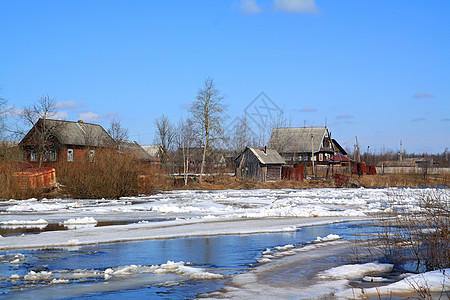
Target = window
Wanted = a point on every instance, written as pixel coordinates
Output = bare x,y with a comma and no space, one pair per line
52,155
44,155
33,155
320,156
69,154
91,155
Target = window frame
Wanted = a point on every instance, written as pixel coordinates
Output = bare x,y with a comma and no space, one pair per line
70,155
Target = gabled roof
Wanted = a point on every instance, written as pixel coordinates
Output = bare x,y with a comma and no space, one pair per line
74,133
297,139
152,150
134,148
267,157
339,158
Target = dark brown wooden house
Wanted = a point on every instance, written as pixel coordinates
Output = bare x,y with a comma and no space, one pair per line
299,144
52,141
260,164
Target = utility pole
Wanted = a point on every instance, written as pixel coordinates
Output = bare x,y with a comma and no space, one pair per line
401,157
357,149
312,151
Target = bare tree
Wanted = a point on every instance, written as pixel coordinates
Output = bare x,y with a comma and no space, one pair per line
165,133
242,135
3,112
185,139
117,132
208,112
38,115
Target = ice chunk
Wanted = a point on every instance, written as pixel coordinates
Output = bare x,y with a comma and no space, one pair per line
355,271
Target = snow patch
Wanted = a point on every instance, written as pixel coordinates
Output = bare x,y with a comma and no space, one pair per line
355,271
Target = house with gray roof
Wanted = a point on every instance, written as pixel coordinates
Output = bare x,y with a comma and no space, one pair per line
51,141
259,164
300,144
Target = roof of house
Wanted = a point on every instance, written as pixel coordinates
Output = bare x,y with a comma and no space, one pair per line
339,158
134,148
297,139
152,149
267,156
75,133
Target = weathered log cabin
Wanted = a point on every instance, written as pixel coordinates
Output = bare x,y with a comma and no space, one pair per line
303,144
259,164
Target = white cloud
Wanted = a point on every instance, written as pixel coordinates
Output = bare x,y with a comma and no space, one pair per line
249,7
90,117
420,119
308,109
296,6
422,95
344,117
69,104
59,115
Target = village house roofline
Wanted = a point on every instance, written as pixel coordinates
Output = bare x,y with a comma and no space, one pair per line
74,133
265,156
298,139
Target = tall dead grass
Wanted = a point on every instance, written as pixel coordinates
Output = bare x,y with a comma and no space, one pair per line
111,175
10,162
418,237
404,180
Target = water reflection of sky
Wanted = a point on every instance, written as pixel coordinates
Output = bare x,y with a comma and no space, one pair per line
228,255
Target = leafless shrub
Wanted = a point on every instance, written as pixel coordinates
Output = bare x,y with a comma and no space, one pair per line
110,175
418,237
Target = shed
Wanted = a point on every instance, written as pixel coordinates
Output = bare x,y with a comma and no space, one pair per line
260,164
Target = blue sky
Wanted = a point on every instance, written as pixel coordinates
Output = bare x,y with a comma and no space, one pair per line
379,70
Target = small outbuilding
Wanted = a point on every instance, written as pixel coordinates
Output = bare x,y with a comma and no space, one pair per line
259,164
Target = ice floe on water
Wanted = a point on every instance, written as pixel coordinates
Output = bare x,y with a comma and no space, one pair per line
14,224
77,223
210,213
355,271
424,284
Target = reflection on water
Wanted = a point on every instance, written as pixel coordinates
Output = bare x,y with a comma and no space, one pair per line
227,255
11,230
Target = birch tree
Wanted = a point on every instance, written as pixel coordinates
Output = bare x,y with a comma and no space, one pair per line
186,139
3,112
164,133
39,114
208,112
117,132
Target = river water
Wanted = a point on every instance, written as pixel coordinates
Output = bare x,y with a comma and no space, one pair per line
180,268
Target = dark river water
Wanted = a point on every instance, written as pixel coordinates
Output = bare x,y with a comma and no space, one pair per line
227,255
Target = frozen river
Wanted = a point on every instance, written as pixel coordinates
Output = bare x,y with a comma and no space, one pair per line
187,244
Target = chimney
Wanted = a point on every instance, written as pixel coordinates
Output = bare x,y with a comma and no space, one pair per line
265,149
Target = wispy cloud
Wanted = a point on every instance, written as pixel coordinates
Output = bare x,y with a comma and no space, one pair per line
308,109
69,104
422,95
249,7
446,120
296,6
418,119
90,116
345,117
59,115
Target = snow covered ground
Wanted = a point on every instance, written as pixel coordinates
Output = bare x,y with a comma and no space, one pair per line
209,213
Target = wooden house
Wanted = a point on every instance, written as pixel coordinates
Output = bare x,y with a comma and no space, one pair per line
260,164
51,141
303,144
156,153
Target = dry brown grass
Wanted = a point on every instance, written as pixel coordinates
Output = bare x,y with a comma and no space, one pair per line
403,180
111,175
